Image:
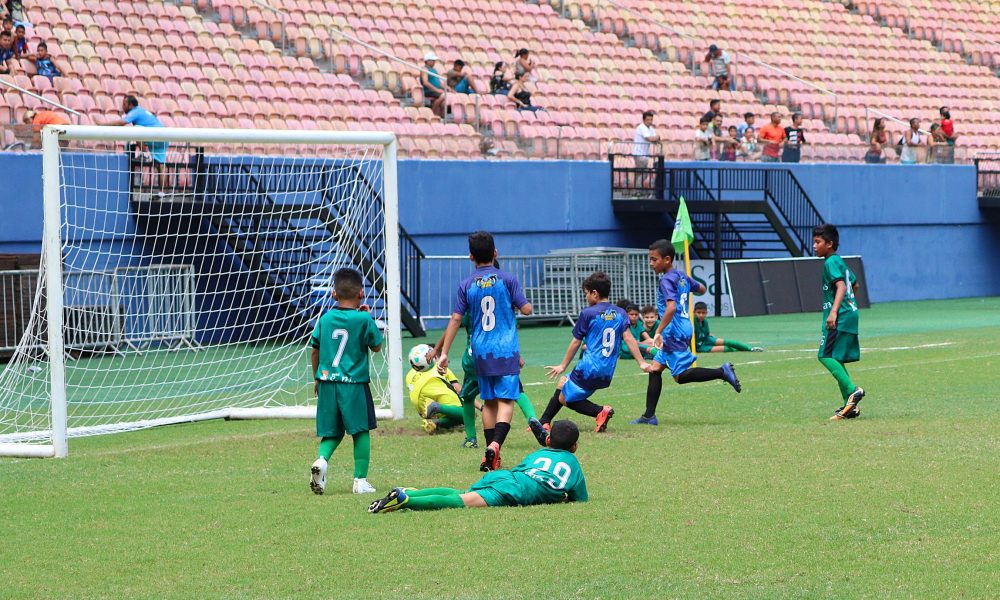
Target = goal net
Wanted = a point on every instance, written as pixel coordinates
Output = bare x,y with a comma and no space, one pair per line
183,271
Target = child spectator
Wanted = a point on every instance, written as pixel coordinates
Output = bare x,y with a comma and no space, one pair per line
650,321
729,150
20,42
749,147
45,65
878,139
432,84
748,121
340,345
500,81
524,65
703,140
8,25
948,129
705,342
772,136
7,53
637,329
459,81
796,137
520,95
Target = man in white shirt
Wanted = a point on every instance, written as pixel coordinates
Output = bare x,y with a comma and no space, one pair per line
644,136
718,65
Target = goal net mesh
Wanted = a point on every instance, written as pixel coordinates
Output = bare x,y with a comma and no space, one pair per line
192,279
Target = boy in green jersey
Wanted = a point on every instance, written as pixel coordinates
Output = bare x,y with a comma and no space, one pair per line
637,327
340,344
706,342
548,476
840,319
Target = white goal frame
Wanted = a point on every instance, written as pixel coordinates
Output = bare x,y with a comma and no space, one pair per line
52,261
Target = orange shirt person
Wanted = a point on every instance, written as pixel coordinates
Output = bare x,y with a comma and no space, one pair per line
772,137
40,118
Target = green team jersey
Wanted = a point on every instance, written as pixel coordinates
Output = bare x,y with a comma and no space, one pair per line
344,336
637,329
701,333
468,362
549,476
834,270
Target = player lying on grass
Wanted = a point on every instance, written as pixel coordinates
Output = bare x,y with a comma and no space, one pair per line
340,344
840,319
433,395
673,334
706,342
548,476
636,327
603,326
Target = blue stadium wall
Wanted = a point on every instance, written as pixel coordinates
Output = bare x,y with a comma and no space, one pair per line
919,228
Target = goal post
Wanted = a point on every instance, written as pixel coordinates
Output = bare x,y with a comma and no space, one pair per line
183,270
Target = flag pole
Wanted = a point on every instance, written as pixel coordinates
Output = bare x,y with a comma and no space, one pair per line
687,268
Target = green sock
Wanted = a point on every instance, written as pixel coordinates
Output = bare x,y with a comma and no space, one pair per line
736,346
839,373
430,502
434,492
469,417
449,421
327,445
362,453
525,405
452,412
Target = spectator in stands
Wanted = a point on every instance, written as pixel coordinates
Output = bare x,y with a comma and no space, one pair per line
519,93
20,42
15,10
718,66
40,118
703,140
877,141
729,150
938,149
749,147
796,138
8,25
45,65
432,84
948,129
772,136
525,65
718,135
458,81
714,107
6,53
911,143
645,135
500,81
140,117
748,121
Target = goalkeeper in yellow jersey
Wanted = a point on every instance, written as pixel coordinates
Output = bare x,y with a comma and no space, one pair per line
435,396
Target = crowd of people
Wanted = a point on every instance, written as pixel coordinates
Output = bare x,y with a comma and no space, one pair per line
16,54
514,80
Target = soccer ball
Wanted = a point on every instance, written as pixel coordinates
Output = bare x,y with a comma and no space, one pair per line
418,358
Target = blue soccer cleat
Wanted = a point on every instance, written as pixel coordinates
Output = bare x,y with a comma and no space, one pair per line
645,421
470,443
393,501
729,374
433,408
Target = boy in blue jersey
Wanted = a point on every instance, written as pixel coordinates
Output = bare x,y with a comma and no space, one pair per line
673,334
549,476
490,296
603,326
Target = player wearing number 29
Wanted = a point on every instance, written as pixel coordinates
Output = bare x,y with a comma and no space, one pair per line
548,476
340,344
603,326
490,296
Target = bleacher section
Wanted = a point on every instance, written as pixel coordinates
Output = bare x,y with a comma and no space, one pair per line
220,63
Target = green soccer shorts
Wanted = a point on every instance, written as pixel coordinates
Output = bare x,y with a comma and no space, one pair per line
344,408
497,488
841,346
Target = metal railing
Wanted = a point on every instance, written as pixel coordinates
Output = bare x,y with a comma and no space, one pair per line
988,174
284,21
48,101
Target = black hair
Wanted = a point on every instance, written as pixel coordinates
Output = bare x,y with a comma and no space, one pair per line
749,128
776,114
21,27
714,102
624,303
700,306
459,62
563,435
649,308
5,34
797,115
647,113
498,66
42,45
347,282
828,233
632,307
733,128
521,52
878,121
482,247
944,112
914,120
131,101
598,282
704,120
748,115
664,248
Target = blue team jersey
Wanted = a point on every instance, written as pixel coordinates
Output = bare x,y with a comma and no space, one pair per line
601,328
678,287
490,295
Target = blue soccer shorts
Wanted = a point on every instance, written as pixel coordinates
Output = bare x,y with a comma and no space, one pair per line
499,387
677,361
574,393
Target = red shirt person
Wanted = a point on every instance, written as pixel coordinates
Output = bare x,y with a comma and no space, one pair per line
772,136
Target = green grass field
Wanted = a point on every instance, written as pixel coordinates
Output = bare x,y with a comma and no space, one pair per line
749,496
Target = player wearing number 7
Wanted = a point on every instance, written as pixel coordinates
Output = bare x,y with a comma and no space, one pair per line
603,326
490,296
548,476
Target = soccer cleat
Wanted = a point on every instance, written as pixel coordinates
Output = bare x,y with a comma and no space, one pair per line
429,425
757,349
645,421
470,443
850,408
539,431
491,460
602,419
393,501
361,486
729,374
432,409
317,480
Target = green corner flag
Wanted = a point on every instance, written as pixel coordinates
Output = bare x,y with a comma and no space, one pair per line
682,228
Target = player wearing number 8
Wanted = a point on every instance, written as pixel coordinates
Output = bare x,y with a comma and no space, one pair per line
603,326
340,344
548,476
490,296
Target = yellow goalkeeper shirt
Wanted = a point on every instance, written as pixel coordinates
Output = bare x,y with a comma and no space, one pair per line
429,386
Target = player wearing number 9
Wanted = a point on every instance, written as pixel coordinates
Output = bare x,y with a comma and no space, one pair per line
490,296
603,326
548,476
